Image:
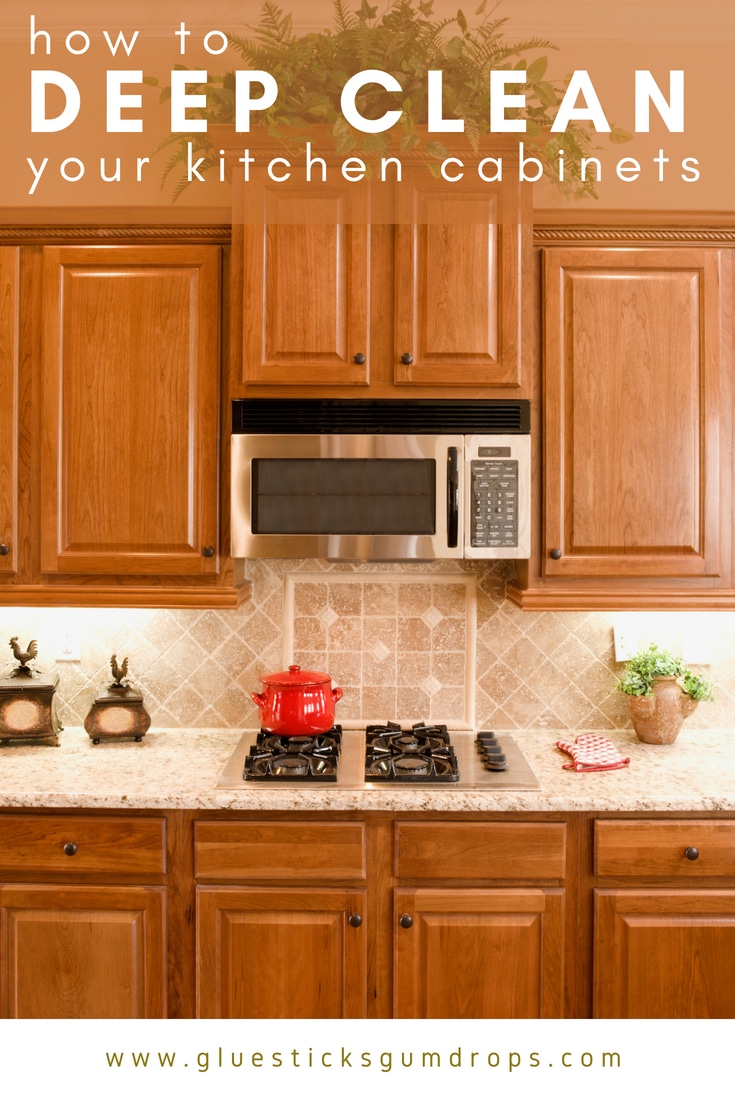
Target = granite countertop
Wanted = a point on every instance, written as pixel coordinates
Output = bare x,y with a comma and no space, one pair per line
180,769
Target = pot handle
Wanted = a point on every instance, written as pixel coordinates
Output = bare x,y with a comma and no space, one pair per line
337,693
258,699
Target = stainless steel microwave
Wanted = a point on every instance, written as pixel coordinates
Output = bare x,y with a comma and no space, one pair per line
381,480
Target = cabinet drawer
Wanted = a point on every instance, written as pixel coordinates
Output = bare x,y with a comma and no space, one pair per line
35,843
280,851
486,851
646,848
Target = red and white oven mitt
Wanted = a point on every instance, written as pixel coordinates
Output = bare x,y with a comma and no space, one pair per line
591,753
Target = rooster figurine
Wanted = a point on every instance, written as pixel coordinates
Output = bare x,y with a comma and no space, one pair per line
23,657
119,673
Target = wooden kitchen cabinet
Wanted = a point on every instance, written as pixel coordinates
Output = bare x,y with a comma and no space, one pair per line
664,936
458,286
280,949
484,937
637,430
9,410
130,410
73,942
112,464
306,296
370,914
277,953
431,299
479,952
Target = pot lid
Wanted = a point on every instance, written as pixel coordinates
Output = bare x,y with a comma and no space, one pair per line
296,677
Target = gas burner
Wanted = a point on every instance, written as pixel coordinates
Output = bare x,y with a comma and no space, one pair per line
420,753
295,758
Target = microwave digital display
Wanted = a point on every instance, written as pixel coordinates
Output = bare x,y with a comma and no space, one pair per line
343,496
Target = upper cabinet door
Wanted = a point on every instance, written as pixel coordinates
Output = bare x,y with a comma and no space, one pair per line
130,410
9,268
458,286
306,292
633,408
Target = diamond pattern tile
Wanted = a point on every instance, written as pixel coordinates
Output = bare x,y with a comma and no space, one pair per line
395,638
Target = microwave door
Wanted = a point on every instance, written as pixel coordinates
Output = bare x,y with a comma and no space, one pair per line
348,497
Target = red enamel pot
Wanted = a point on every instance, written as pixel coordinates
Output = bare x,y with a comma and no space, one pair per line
297,702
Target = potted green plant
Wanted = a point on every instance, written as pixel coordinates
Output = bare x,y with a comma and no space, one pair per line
662,691
406,40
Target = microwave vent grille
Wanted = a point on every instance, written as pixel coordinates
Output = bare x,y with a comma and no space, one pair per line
380,416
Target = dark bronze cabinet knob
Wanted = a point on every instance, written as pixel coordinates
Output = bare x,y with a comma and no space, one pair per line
355,920
691,853
405,921
555,553
70,849
208,552
359,358
4,549
406,358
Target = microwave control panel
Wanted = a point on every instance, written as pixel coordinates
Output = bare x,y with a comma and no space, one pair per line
498,490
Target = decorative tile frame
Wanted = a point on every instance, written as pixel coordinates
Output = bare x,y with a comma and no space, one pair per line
401,646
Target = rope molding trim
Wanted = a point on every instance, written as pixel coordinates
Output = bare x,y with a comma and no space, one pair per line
548,235
220,235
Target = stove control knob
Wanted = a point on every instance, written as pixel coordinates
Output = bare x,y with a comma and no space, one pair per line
70,849
355,920
405,921
691,853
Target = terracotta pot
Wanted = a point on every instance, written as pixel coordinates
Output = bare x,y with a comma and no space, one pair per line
297,702
657,719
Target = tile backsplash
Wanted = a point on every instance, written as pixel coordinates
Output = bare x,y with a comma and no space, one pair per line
432,641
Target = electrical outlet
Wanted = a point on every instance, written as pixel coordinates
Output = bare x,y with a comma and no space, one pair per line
625,644
68,648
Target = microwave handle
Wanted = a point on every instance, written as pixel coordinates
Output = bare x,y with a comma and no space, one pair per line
452,496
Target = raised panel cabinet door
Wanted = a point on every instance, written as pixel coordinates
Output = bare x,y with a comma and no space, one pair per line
479,953
306,292
82,952
129,469
458,287
267,953
9,409
634,477
664,954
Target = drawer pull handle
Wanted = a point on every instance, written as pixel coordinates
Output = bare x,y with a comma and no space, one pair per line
691,853
405,921
355,920
208,552
359,358
4,549
70,849
406,358
555,553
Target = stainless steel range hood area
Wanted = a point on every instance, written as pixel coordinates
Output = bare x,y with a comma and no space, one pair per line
473,776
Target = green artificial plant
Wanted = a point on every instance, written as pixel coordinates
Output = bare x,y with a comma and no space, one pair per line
644,667
406,40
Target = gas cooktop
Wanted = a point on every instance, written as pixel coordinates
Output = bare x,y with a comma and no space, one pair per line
423,755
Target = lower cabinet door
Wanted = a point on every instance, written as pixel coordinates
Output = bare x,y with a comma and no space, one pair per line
82,952
268,953
664,954
479,953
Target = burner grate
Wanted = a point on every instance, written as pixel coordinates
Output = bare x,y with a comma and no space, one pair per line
417,755
299,757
